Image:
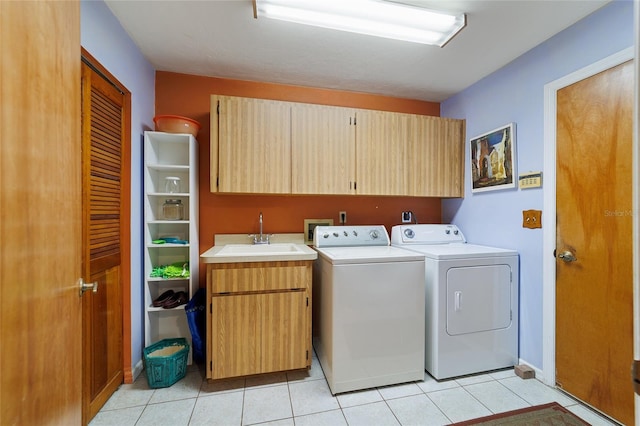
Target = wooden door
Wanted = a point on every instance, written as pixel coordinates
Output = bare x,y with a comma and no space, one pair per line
40,214
435,156
594,306
253,145
381,146
322,149
103,129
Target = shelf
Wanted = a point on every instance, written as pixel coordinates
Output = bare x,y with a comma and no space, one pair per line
169,155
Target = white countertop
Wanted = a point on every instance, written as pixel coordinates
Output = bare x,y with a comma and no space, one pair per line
236,248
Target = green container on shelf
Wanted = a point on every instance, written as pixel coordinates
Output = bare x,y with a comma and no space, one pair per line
166,362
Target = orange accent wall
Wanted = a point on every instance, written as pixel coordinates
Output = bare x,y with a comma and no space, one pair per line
189,96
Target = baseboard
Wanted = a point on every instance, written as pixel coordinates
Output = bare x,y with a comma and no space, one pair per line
134,372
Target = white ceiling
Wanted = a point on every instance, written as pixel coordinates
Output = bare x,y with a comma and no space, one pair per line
220,38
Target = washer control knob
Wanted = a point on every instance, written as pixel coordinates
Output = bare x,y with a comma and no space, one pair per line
455,232
325,235
447,231
409,233
374,234
355,233
335,234
345,233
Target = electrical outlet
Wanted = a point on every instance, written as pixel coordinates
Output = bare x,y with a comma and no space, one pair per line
532,219
407,217
343,217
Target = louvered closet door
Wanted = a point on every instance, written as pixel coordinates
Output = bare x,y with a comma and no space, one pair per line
102,129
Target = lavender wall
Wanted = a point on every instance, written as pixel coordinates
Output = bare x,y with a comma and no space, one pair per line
105,39
515,93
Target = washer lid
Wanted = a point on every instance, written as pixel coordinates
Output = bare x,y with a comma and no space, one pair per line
459,251
370,254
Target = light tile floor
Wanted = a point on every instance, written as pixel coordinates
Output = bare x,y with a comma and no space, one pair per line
303,399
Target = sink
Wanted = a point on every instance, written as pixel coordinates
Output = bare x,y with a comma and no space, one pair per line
259,249
232,253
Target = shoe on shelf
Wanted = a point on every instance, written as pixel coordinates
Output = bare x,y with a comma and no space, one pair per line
177,299
162,299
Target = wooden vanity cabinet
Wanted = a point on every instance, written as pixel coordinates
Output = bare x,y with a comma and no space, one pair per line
259,318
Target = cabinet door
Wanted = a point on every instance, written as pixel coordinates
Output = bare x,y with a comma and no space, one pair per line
322,149
381,145
436,157
236,335
285,332
259,333
253,149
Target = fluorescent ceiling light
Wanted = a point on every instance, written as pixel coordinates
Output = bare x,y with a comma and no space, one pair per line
372,17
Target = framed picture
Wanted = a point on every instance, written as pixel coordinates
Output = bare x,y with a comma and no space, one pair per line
493,159
310,226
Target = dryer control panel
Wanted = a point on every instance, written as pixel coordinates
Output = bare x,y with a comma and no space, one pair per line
426,234
350,236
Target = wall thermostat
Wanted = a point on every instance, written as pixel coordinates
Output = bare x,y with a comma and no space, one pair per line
530,180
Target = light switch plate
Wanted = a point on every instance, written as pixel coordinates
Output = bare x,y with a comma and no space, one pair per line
530,180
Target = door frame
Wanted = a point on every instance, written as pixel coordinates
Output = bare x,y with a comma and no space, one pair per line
549,212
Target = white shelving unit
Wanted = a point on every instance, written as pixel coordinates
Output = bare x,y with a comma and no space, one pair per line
169,154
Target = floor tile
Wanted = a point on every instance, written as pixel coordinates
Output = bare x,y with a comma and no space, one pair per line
314,373
476,378
367,396
496,397
223,409
398,391
378,414
311,397
326,418
174,413
121,417
131,395
535,392
429,384
266,404
187,387
458,404
503,374
417,410
220,386
590,416
266,380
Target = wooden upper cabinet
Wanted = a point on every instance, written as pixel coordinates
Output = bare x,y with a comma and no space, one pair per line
381,146
322,149
276,147
436,157
250,145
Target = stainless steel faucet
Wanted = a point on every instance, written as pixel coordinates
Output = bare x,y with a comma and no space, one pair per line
262,238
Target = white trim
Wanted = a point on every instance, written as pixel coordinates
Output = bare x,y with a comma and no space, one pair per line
549,206
137,370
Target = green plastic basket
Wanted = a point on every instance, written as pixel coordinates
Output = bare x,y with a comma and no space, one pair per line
164,370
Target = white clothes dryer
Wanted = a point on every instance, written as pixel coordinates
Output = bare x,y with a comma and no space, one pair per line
368,308
471,319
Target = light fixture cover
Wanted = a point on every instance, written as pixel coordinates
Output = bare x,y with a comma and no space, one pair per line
372,17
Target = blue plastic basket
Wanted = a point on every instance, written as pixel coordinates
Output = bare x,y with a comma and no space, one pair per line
164,371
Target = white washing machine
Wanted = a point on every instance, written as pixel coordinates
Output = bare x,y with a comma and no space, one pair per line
471,301
368,308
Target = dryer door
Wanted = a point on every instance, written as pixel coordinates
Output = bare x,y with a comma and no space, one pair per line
478,299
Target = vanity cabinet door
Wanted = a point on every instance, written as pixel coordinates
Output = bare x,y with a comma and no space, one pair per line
250,145
236,328
259,333
285,332
322,149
